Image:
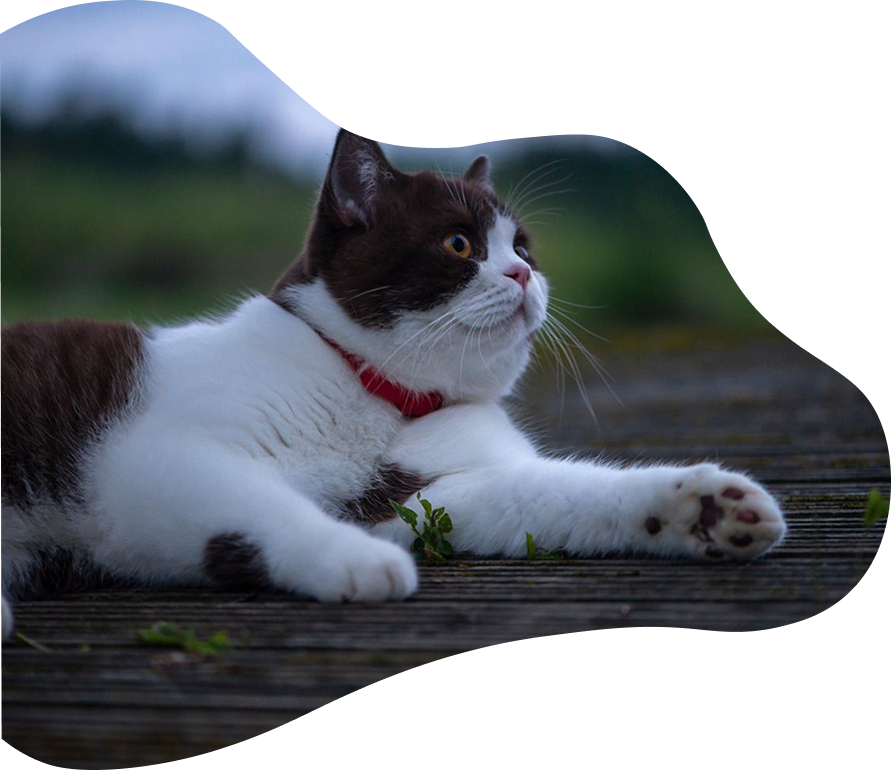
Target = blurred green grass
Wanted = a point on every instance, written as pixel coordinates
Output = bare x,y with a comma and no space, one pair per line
108,244
98,224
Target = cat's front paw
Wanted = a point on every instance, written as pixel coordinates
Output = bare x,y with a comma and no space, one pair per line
362,568
715,514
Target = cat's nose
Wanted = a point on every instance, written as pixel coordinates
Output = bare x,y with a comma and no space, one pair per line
520,273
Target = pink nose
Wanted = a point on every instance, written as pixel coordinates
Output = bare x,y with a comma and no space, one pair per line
520,273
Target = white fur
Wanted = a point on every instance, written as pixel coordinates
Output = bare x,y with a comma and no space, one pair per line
497,486
253,424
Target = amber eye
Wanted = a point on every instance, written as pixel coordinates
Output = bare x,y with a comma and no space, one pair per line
522,253
458,245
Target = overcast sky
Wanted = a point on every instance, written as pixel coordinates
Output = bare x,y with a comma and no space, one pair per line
172,69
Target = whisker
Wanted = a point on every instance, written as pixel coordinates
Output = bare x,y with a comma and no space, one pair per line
461,365
576,374
523,200
550,212
363,293
545,195
563,314
449,313
552,298
594,362
518,188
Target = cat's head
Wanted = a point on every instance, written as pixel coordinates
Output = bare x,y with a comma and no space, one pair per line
429,279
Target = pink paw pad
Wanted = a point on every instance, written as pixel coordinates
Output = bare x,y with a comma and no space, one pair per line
733,493
748,517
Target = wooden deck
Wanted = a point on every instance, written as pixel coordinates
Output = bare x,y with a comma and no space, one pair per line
99,699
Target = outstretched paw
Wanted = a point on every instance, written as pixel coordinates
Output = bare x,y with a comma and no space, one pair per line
716,515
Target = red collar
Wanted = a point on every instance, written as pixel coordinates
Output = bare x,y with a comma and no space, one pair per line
410,403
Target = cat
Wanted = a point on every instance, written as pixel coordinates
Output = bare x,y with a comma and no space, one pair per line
262,447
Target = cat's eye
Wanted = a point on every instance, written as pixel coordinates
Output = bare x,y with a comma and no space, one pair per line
521,252
458,244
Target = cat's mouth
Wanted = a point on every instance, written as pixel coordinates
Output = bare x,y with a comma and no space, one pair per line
502,320
519,314
519,320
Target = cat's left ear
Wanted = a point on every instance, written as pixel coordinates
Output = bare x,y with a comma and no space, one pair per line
358,175
479,172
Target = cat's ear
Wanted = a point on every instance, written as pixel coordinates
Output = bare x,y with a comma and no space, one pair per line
358,174
479,172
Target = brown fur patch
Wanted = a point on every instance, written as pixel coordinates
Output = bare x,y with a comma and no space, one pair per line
62,382
390,483
231,560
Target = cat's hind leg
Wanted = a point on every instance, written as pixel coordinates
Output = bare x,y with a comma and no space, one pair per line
198,513
6,614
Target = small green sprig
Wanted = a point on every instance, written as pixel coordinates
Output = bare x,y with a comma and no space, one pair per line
32,642
430,541
165,634
876,508
536,552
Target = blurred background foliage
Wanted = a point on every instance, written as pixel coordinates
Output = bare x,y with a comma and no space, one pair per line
103,221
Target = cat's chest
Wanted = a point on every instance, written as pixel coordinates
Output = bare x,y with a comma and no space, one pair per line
307,414
327,438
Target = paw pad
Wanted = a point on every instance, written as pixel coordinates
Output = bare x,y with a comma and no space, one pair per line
723,515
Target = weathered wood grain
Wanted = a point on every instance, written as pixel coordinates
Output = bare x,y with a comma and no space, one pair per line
99,699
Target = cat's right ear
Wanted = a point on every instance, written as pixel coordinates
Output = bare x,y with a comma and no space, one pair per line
480,172
358,174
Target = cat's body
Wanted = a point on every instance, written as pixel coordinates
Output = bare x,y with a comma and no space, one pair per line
263,447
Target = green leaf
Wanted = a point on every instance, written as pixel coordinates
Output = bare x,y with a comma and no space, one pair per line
32,642
430,533
535,552
876,508
161,633
166,634
219,641
406,514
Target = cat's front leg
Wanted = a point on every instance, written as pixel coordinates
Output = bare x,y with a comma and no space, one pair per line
588,509
700,511
497,488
